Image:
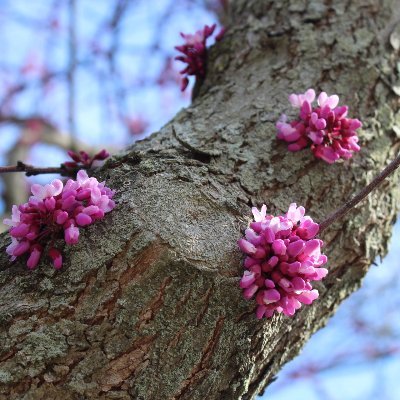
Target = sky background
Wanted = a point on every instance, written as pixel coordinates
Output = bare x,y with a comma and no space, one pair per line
356,357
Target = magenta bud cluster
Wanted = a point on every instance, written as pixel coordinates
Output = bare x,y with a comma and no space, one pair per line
283,257
55,211
195,53
325,128
83,159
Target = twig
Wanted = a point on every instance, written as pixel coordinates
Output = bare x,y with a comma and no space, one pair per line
340,212
30,170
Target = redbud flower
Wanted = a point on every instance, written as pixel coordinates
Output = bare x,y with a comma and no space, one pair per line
55,211
283,257
136,125
325,128
195,53
83,159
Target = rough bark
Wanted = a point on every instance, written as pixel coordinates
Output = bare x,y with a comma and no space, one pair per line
147,305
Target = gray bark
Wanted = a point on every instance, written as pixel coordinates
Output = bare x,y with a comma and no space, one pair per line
147,305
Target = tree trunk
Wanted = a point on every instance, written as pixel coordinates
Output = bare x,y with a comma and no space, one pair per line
147,305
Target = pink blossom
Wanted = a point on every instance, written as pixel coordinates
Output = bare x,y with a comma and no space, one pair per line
82,159
136,125
54,211
42,192
283,257
56,256
195,53
17,248
297,100
71,234
33,260
325,128
259,216
15,217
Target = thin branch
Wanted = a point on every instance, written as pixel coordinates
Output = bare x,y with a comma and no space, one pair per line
63,169
30,170
340,212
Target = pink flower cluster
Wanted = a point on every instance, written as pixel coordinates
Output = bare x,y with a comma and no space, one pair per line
195,53
53,210
283,257
326,128
83,159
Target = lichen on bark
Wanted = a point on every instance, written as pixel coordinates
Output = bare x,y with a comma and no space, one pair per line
147,305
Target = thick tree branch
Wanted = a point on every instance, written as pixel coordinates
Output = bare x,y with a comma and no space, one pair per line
148,304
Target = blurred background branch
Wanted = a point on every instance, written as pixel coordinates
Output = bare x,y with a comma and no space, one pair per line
71,71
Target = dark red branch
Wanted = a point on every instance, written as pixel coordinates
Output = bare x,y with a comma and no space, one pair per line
340,212
30,170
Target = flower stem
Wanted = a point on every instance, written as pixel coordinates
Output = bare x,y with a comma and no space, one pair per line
346,207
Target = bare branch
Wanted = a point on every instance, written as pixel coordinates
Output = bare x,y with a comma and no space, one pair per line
30,170
342,211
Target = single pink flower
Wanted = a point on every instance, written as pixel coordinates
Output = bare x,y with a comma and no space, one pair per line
33,260
15,217
42,192
71,234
